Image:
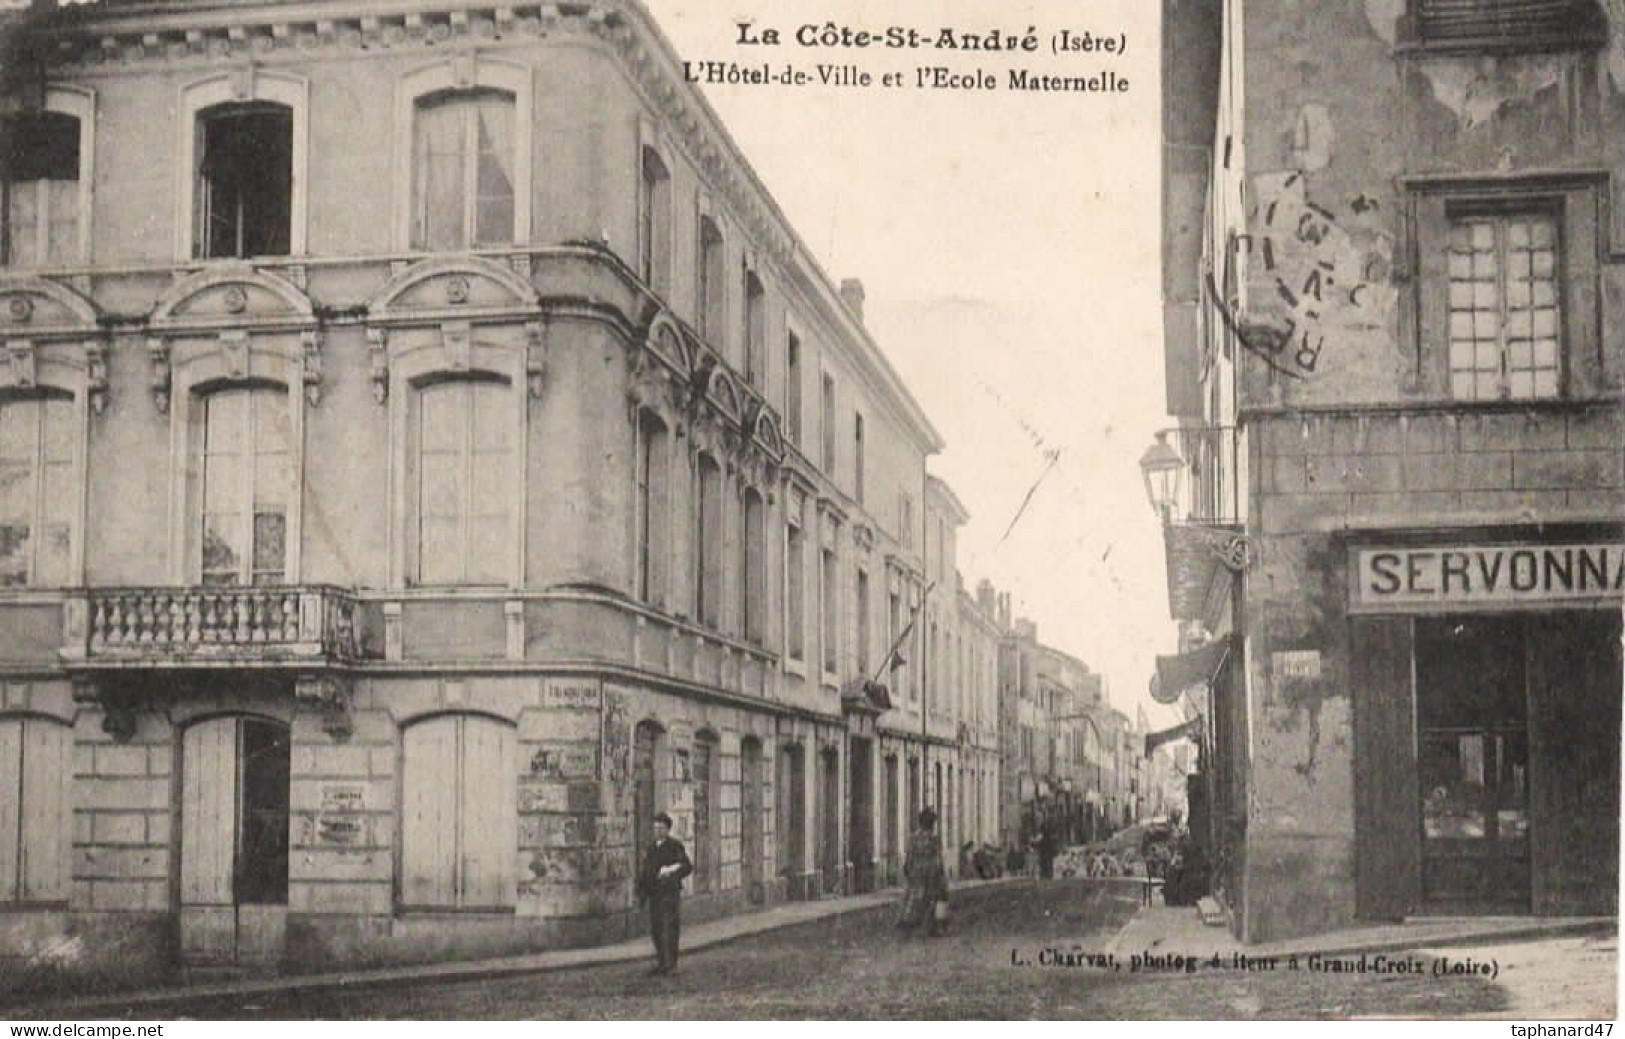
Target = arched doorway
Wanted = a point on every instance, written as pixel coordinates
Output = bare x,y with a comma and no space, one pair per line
648,743
791,789
706,864
234,840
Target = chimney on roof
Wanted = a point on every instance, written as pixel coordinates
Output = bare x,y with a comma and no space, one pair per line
852,296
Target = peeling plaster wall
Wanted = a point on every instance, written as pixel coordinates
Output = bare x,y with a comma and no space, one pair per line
1334,116
1335,121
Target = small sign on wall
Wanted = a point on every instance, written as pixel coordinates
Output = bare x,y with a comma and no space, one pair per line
1295,663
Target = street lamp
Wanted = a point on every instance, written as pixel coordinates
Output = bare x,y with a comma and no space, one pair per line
1161,467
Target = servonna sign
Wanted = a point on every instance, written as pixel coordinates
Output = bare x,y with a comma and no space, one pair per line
1451,576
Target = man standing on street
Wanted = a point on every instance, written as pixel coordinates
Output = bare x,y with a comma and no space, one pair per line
660,884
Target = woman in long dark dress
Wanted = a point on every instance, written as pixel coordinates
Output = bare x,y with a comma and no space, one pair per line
927,879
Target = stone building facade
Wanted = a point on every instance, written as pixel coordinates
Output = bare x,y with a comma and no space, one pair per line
425,452
1394,275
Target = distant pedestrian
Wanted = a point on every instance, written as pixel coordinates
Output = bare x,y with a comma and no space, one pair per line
926,877
1048,843
660,885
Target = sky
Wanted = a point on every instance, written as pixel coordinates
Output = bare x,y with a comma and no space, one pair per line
1008,243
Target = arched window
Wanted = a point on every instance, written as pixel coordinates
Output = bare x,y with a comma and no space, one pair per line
464,173
35,814
37,489
464,476
755,330
653,506
708,589
712,291
753,571
654,216
241,462
458,813
40,170
244,191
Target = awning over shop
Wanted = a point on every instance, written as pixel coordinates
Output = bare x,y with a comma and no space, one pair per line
1190,729
1194,669
1201,560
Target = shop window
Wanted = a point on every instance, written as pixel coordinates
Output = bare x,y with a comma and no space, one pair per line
34,810
36,490
458,814
464,479
463,170
654,214
243,451
1505,25
1505,307
244,193
40,169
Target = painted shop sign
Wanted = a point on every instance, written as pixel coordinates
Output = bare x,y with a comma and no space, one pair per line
1469,576
1296,663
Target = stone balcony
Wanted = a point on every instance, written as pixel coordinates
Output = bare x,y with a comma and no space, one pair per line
302,626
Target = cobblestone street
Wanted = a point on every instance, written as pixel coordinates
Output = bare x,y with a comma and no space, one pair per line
856,966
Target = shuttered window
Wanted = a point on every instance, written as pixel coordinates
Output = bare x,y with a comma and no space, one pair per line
36,490
1507,24
458,837
34,813
464,482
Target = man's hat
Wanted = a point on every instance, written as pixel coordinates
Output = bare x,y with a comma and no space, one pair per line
662,817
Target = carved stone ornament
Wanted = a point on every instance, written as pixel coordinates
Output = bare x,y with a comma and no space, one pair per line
457,289
535,357
235,299
96,374
378,351
20,309
311,341
158,352
23,362
330,696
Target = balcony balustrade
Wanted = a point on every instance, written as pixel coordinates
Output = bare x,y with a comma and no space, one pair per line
158,627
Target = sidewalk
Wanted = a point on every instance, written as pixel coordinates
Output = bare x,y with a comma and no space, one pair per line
1165,929
695,937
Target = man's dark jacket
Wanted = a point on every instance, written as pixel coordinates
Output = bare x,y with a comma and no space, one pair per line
653,886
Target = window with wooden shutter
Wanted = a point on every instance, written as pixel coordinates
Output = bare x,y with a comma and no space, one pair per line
458,811
34,813
464,482
1506,25
36,489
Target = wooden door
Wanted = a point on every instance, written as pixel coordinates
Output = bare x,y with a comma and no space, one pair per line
1574,704
792,795
645,803
34,817
1387,863
458,821
234,841
705,854
429,814
488,815
750,823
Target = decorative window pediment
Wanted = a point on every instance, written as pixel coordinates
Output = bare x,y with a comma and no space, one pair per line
721,392
38,308
665,340
231,297
461,286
